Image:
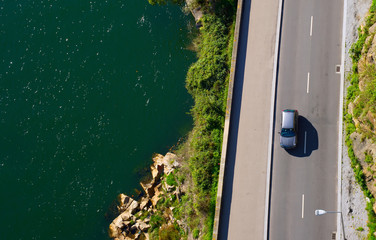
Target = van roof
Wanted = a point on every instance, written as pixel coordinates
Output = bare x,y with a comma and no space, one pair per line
288,118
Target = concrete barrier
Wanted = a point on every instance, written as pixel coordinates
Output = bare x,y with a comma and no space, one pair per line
227,119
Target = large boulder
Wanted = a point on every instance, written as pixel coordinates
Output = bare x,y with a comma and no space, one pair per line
196,11
114,231
168,162
148,188
142,226
128,206
162,165
144,203
125,202
155,198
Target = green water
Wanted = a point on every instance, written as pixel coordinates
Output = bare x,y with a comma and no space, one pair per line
89,90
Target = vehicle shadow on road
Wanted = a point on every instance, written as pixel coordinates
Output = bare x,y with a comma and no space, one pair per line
308,140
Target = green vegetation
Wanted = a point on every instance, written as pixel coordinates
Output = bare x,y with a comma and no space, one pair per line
207,82
163,2
169,232
170,180
160,225
364,101
359,176
368,158
155,221
196,233
360,229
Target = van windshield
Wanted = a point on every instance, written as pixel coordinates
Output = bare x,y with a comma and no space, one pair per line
287,132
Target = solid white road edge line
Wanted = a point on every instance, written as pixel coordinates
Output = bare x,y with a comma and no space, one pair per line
270,144
340,116
310,31
308,83
303,206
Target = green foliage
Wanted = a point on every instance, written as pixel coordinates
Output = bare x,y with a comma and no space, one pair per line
368,158
210,222
170,180
366,98
371,219
356,48
144,215
207,82
360,229
131,222
373,6
163,2
155,221
352,92
225,9
169,232
196,233
359,176
358,110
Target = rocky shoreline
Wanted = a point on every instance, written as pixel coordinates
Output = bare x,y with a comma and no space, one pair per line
133,221
196,12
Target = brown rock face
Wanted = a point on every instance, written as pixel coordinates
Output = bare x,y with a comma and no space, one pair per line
360,147
127,225
126,202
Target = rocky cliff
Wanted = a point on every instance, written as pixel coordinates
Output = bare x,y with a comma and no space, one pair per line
134,219
363,107
363,111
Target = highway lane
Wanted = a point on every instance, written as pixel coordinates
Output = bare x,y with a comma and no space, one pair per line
305,179
243,199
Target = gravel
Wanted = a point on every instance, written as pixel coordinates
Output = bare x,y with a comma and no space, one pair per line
353,200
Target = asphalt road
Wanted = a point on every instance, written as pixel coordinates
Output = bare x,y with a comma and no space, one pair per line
305,179
243,199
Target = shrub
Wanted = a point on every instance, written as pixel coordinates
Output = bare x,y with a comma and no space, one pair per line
368,158
170,180
373,6
169,232
155,221
196,233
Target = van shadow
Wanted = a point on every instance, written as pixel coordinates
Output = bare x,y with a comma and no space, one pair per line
308,140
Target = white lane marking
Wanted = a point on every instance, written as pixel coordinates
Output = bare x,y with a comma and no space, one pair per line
305,142
303,206
310,31
308,83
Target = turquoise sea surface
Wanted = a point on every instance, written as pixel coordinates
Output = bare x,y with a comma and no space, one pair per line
89,90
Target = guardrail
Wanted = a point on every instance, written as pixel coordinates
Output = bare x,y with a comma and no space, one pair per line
227,119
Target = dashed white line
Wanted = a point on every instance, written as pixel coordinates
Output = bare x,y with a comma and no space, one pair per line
308,83
305,142
302,205
310,31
